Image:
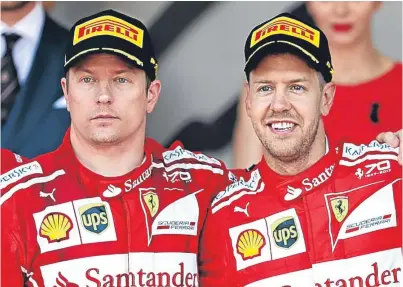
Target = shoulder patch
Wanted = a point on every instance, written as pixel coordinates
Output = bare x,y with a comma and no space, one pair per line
352,151
238,189
19,173
179,154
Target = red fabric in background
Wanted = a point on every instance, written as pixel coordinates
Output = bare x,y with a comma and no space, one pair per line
350,116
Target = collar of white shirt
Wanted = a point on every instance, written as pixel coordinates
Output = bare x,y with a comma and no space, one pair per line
28,27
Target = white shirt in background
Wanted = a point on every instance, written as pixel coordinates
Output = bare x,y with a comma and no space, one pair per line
30,29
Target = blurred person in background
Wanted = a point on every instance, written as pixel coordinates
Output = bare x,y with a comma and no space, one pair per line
33,112
369,85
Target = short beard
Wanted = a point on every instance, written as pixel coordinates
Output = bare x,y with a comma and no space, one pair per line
298,152
101,139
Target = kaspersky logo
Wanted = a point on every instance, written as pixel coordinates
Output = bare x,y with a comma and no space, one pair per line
309,183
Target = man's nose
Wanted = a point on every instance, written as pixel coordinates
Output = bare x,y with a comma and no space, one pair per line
280,102
105,94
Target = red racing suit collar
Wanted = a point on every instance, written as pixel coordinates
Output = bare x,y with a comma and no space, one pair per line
295,186
98,185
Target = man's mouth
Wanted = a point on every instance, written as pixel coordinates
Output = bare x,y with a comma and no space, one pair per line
282,127
104,116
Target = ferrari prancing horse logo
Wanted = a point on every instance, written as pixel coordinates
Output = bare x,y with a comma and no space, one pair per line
152,202
340,207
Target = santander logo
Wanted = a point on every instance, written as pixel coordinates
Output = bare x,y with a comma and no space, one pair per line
309,183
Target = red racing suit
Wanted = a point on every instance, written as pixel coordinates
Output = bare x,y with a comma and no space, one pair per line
337,224
65,226
9,161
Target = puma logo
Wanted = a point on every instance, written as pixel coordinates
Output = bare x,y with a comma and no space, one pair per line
244,210
48,194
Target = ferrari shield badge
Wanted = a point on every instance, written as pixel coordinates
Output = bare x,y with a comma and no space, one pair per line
340,207
152,202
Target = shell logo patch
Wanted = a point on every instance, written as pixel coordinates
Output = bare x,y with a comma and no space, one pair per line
56,227
250,244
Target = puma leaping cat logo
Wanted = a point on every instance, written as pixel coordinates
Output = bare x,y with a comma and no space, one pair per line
244,210
46,194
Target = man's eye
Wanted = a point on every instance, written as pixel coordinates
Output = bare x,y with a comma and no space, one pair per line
121,80
86,80
265,89
297,88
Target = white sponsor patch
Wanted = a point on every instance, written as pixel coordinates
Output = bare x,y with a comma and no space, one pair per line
377,269
259,249
57,227
19,172
303,278
133,269
274,237
352,151
180,153
377,212
95,219
180,217
73,223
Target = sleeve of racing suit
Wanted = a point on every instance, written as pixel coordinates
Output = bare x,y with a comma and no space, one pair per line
214,248
213,254
11,248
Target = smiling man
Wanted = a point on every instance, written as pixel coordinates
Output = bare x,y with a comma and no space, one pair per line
311,212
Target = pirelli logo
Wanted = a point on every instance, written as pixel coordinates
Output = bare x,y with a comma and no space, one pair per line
109,25
287,26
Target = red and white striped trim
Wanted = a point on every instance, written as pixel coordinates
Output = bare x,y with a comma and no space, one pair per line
368,157
29,183
237,196
238,189
188,166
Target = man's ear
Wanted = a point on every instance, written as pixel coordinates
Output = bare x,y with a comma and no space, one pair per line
247,96
153,95
64,84
328,93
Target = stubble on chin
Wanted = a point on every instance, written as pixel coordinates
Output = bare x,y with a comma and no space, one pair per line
288,149
103,138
